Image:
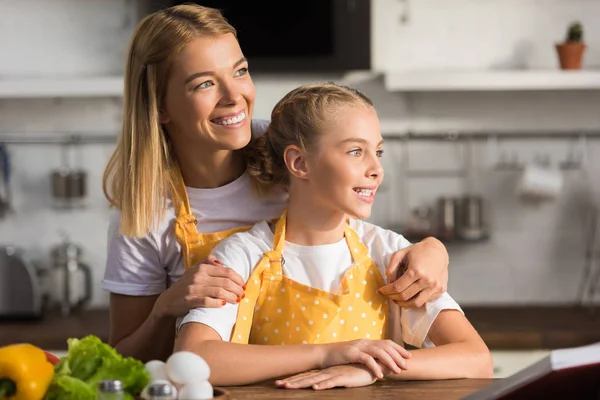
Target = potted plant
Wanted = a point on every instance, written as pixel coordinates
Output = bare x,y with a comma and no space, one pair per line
570,52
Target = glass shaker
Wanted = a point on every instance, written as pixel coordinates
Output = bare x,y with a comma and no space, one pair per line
111,389
161,390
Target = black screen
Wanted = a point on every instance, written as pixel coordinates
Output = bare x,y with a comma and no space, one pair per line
281,28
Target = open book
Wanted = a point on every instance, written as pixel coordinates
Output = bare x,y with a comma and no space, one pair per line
567,373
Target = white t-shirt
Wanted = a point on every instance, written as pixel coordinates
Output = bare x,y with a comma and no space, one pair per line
305,264
149,265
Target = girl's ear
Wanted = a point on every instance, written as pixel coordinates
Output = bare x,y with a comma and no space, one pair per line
295,160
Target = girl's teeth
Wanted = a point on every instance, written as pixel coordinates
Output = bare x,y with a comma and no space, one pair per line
365,192
234,120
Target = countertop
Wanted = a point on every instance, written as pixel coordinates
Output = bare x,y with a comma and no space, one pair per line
438,390
502,328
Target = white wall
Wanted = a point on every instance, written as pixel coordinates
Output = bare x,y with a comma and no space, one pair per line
536,252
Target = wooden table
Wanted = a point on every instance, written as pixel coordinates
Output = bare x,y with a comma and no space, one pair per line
421,390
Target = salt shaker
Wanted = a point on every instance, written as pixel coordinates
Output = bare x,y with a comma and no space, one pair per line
110,389
161,390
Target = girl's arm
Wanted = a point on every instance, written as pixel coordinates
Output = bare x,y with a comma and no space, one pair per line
241,364
459,353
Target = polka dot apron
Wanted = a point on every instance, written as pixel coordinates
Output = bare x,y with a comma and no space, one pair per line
195,246
278,310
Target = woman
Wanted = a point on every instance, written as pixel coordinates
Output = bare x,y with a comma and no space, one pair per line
177,175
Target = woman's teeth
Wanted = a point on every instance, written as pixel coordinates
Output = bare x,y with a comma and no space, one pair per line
364,192
230,121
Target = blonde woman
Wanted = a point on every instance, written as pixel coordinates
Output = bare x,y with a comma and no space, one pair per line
179,183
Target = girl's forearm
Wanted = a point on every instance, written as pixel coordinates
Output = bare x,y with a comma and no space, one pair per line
451,361
241,364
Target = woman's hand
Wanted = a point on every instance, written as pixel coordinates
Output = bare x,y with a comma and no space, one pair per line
417,274
208,284
367,352
337,376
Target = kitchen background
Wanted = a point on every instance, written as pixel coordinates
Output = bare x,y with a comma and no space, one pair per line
468,91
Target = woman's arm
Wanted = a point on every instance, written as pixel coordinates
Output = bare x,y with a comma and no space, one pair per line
144,326
241,364
459,353
137,331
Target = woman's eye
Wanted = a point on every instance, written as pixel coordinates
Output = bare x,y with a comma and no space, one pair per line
355,152
379,153
204,85
241,72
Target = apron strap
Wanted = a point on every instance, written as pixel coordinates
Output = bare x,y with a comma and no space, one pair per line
269,268
185,222
359,251
246,308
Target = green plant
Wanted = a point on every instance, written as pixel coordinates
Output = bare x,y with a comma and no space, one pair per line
575,32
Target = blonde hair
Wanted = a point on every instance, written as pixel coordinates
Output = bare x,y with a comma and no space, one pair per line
299,118
141,171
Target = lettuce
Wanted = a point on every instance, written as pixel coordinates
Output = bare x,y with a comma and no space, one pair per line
90,361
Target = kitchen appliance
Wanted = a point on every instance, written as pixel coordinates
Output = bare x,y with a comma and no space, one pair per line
73,277
447,214
299,36
471,218
21,293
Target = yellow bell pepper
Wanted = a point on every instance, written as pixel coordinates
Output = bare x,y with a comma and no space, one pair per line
25,373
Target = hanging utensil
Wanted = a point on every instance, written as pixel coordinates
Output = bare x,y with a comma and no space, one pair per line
5,193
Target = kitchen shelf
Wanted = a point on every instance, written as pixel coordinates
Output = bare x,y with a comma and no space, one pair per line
27,88
435,81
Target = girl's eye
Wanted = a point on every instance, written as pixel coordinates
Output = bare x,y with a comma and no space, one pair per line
204,85
379,153
355,152
241,72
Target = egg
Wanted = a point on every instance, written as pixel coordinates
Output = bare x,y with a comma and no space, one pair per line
185,367
197,391
157,370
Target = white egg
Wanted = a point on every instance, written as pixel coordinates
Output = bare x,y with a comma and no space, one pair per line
197,391
157,370
185,367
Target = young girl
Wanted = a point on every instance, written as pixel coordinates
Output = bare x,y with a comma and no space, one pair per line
179,184
313,276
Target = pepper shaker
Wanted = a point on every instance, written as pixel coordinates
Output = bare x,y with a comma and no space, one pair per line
110,389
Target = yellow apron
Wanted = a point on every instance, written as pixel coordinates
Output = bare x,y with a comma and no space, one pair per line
278,310
195,246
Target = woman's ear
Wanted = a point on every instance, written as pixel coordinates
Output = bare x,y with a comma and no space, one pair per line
295,160
163,117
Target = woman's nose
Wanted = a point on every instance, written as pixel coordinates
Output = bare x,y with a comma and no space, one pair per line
230,93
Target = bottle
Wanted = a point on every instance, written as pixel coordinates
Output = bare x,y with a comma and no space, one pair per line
110,389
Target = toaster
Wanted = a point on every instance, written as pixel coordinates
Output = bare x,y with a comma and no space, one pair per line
20,286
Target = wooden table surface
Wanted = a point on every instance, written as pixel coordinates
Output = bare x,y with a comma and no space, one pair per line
413,390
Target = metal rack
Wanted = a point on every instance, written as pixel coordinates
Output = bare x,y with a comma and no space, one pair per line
58,139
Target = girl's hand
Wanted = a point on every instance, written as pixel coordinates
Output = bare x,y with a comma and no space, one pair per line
367,352
337,376
208,284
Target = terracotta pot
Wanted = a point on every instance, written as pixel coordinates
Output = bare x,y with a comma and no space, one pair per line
570,55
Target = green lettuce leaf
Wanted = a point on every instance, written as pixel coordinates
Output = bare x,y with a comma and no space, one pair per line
90,361
65,387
